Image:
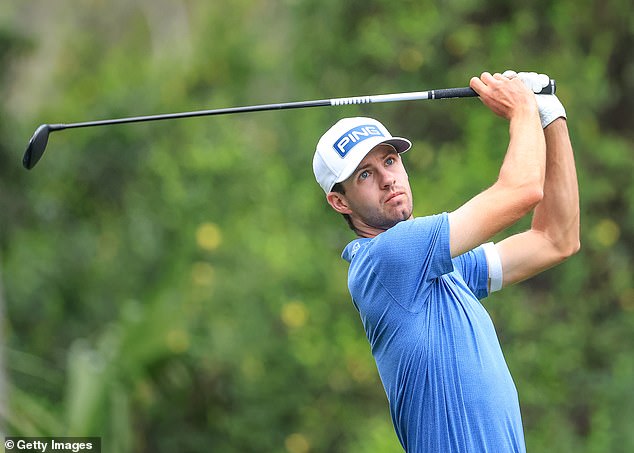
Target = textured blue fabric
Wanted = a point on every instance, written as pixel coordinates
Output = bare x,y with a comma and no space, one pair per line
435,347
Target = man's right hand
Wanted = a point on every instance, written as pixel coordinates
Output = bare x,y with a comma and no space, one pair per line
506,97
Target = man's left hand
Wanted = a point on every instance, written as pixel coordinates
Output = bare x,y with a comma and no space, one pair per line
550,108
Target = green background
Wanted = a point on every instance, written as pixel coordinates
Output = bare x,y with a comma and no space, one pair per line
177,286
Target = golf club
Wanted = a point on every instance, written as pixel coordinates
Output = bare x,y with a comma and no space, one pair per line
37,144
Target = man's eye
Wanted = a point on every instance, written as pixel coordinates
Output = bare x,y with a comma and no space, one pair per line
364,175
389,161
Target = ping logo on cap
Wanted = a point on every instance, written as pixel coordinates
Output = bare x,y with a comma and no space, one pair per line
355,136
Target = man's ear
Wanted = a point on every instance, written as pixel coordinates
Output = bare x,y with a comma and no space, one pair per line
338,202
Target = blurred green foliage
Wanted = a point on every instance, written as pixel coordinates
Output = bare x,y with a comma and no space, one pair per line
177,286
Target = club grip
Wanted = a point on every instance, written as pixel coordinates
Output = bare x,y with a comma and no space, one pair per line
467,92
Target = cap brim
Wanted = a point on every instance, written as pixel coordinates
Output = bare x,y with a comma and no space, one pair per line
400,144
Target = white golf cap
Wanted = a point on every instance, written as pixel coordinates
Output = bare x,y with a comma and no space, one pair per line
342,148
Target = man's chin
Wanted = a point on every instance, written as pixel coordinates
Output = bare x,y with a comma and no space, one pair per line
405,214
395,221
385,222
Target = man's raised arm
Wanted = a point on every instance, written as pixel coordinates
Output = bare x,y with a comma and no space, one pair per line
554,233
519,186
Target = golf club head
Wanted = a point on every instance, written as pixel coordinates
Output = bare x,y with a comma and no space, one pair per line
36,147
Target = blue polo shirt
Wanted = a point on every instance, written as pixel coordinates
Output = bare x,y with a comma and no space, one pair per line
436,349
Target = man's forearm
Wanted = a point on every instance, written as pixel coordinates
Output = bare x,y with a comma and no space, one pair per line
557,214
524,162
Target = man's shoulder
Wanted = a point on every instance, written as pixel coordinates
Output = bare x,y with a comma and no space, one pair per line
351,250
402,239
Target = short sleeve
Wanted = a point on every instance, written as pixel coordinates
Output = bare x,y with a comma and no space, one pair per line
473,268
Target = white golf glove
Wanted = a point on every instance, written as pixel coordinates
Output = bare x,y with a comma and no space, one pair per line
550,108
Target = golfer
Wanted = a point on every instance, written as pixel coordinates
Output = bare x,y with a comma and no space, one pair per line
417,281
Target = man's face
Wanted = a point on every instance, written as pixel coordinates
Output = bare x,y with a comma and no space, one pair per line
377,195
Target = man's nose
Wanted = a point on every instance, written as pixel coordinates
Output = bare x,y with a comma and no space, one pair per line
387,179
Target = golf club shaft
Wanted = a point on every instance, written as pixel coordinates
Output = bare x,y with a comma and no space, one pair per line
444,93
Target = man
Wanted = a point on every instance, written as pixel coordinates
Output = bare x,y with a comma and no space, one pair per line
416,282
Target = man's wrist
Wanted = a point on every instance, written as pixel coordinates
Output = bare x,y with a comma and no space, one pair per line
524,116
525,110
550,109
557,122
